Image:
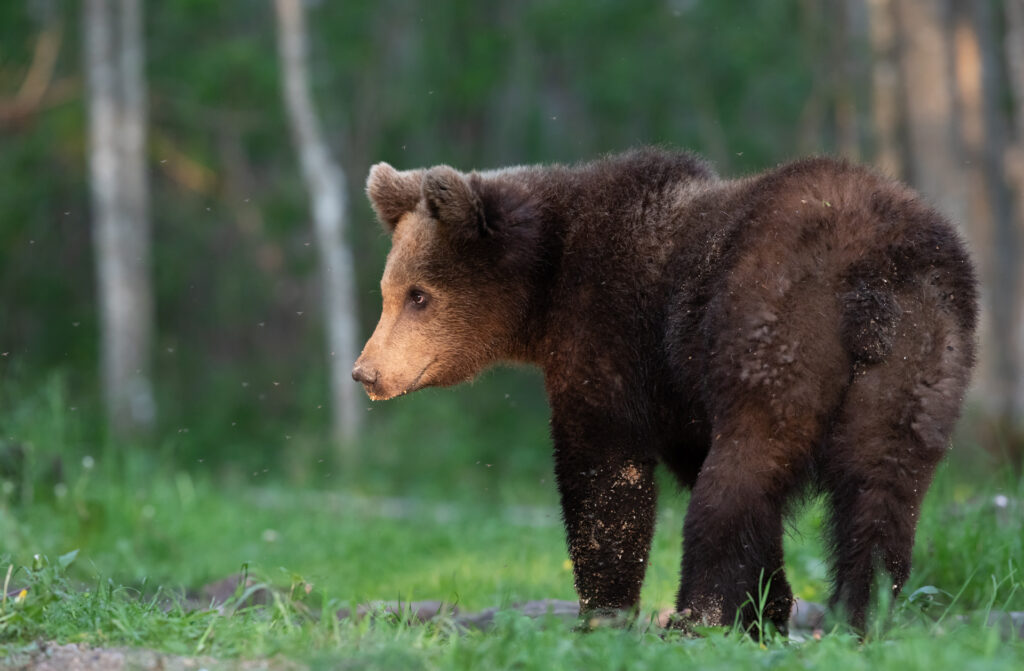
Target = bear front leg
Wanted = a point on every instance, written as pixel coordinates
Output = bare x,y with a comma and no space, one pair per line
608,503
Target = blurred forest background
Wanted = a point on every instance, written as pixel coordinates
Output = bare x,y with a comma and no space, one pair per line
185,248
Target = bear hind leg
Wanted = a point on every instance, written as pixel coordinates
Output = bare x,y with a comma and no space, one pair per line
733,564
890,434
770,392
733,554
871,530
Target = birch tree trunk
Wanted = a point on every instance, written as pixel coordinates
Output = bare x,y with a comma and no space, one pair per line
121,238
325,180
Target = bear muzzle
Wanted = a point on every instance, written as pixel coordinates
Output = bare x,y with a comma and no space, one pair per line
383,387
366,375
369,376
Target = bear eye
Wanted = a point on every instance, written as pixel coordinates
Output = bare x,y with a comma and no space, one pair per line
417,299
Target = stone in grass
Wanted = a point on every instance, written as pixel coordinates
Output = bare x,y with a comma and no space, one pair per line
218,594
565,610
1010,624
415,612
418,612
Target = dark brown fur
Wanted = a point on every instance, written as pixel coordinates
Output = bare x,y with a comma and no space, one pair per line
812,325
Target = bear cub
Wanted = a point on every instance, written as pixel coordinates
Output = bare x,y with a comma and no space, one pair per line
811,327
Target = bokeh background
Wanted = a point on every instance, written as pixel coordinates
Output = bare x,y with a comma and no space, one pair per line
233,345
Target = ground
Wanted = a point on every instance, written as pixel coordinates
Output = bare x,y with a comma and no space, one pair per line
151,534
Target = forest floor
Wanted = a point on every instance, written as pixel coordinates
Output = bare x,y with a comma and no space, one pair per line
122,560
475,575
804,627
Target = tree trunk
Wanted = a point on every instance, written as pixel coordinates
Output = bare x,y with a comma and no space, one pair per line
993,392
842,51
980,76
1008,236
325,180
928,89
1014,169
121,237
887,111
937,158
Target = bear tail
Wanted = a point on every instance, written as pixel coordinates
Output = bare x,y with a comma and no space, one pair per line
870,316
870,301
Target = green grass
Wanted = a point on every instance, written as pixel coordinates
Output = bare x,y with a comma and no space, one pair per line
479,535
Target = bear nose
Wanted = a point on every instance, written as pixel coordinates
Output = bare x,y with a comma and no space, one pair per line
364,374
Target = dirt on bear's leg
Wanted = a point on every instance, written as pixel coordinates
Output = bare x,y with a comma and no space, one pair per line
608,502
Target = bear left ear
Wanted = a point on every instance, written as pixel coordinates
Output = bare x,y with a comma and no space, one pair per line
453,202
393,193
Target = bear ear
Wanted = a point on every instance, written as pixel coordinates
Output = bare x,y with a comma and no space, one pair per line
393,193
453,202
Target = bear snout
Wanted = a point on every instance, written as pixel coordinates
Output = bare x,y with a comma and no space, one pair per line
365,374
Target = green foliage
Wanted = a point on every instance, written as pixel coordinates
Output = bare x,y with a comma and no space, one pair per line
239,350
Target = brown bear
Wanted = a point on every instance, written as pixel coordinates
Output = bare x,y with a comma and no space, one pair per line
810,328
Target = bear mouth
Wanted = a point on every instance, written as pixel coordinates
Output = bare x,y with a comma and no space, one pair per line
415,383
376,395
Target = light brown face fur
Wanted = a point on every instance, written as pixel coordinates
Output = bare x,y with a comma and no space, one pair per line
396,359
428,334
449,307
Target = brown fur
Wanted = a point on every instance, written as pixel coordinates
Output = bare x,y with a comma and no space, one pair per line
810,325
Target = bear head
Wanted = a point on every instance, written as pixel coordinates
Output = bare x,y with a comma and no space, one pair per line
456,283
